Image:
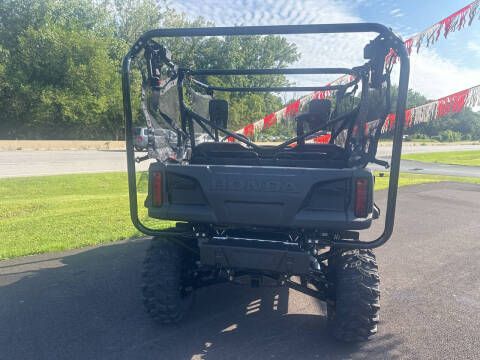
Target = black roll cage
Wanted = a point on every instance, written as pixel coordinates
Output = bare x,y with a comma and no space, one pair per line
394,42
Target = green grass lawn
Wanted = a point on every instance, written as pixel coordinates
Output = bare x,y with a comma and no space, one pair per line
469,157
407,179
54,213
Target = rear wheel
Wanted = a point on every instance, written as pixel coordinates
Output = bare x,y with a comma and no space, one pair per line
168,279
353,309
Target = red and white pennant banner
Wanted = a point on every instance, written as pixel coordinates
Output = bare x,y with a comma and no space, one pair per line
291,110
450,104
454,22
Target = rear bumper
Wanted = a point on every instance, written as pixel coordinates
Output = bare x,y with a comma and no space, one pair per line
261,196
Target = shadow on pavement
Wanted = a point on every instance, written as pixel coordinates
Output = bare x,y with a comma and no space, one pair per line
88,304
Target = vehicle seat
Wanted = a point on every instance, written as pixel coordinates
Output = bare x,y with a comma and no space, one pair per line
330,151
223,153
318,114
313,155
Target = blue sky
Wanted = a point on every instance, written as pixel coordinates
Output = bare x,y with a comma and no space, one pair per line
410,17
450,65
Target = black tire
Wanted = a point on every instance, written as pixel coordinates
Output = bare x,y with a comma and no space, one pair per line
167,279
353,309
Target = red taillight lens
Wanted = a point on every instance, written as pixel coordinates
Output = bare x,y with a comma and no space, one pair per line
361,198
157,189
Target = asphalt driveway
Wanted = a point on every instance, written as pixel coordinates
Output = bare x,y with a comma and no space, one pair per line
86,304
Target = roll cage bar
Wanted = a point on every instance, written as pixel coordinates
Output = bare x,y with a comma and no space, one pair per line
385,34
182,73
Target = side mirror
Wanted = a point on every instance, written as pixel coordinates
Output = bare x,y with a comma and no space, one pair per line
218,111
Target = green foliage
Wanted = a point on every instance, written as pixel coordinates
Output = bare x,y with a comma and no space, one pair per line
454,127
253,52
62,78
247,52
450,136
60,70
65,83
133,17
60,62
278,132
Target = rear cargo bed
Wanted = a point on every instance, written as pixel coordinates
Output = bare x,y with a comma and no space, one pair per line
259,196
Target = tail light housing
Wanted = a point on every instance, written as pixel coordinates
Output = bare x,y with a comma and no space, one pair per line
157,189
361,197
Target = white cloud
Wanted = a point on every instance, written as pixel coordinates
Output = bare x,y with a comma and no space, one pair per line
396,12
474,47
431,74
327,50
435,76
266,12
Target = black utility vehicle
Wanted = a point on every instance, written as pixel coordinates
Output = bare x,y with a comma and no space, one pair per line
290,213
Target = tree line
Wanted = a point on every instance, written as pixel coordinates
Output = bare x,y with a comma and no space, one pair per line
60,65
60,69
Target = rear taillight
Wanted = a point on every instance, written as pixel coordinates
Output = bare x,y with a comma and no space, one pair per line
157,189
361,198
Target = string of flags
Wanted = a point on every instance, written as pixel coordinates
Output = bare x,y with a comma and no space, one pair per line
291,110
429,36
436,109
430,111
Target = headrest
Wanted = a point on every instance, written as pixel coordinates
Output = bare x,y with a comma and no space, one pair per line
218,111
320,107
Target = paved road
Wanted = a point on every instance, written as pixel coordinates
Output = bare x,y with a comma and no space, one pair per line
34,163
86,304
418,167
412,148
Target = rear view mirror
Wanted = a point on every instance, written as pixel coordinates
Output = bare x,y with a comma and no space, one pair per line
218,111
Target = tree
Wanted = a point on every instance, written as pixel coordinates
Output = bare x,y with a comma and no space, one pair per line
52,48
233,52
461,126
131,18
65,83
62,70
61,61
